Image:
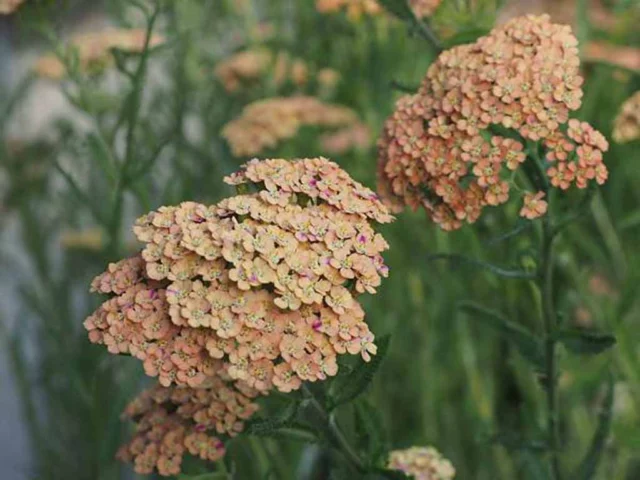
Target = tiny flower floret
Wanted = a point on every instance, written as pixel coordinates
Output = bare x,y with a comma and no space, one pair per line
422,463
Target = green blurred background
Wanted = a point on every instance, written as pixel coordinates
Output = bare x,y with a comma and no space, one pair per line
447,381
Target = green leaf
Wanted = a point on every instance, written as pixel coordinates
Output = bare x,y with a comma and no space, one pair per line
399,8
585,342
465,36
534,467
383,473
349,387
527,344
456,259
269,426
204,476
371,432
589,465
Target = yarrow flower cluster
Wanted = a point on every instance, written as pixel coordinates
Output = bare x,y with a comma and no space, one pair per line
9,6
260,288
94,51
356,136
356,8
626,127
171,422
265,123
453,147
251,65
422,463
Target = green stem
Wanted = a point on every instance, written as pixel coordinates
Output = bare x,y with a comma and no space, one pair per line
338,435
550,325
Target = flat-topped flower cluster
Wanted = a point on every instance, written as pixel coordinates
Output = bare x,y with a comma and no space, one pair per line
171,421
627,124
265,123
94,50
260,288
453,147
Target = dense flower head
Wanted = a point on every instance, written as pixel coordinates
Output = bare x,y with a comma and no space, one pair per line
356,136
422,463
260,288
171,422
454,146
626,127
248,66
94,50
356,8
9,6
265,123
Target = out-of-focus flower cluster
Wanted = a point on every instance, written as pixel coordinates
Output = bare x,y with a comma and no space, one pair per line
265,123
260,288
93,51
422,463
171,422
91,239
627,124
356,8
9,6
453,147
255,64
356,136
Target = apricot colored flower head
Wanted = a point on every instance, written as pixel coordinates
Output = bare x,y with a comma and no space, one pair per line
9,6
94,51
261,288
453,147
627,124
354,8
171,422
424,8
422,463
265,123
243,67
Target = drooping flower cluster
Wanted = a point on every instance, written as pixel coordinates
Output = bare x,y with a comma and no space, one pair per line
265,123
171,422
626,127
94,51
9,6
453,147
356,136
422,463
251,65
260,288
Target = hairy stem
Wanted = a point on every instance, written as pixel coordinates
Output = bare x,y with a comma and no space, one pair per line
336,432
550,325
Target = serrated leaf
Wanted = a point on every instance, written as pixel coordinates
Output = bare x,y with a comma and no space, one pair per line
269,426
399,8
371,432
585,342
527,344
589,465
349,387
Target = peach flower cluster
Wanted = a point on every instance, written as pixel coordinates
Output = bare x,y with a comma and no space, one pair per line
251,65
455,145
171,422
356,8
626,127
356,136
94,51
9,6
265,123
260,288
422,463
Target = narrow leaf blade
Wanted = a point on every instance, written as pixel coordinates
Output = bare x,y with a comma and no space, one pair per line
584,342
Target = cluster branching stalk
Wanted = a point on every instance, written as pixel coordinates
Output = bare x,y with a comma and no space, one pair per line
336,432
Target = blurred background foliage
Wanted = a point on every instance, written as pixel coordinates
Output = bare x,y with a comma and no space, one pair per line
447,380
